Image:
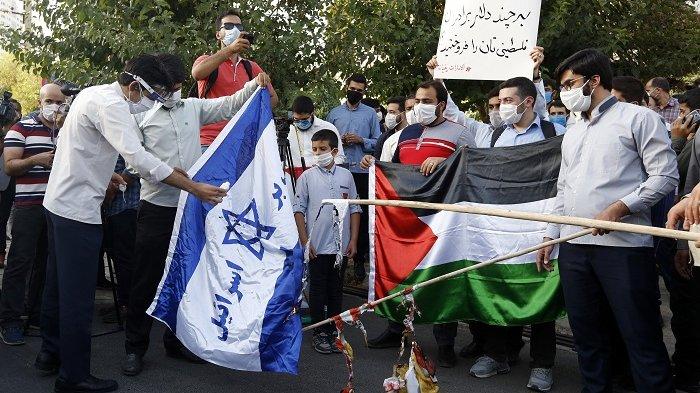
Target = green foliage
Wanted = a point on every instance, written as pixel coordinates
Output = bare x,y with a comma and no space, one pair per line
310,46
23,84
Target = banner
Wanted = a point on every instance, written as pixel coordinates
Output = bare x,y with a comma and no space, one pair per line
234,270
487,40
411,246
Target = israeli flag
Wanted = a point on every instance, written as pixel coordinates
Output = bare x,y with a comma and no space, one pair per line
233,276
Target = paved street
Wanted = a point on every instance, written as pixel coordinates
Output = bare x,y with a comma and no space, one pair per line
317,373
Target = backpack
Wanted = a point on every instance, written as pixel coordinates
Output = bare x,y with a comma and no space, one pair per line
211,80
547,129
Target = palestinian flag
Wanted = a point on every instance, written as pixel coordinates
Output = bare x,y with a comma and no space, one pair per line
410,246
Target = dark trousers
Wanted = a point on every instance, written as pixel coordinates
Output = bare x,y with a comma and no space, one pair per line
27,256
154,226
444,333
504,343
624,280
325,290
685,323
120,241
69,294
362,185
7,198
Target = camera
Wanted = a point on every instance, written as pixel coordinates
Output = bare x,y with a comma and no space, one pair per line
282,127
8,113
249,36
694,116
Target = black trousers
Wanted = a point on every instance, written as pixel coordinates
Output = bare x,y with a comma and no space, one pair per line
503,343
154,226
120,241
325,290
69,294
625,280
685,324
27,256
7,198
362,185
444,333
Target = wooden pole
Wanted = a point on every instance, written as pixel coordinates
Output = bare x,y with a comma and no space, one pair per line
551,218
456,273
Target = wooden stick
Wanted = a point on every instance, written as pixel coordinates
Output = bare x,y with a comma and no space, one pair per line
551,218
456,273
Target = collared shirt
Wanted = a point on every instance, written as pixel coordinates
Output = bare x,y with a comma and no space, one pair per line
31,135
623,153
315,185
97,129
418,142
671,111
299,137
231,78
173,135
513,137
362,121
129,199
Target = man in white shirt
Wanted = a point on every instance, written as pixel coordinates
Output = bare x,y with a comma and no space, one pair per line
97,129
169,131
306,124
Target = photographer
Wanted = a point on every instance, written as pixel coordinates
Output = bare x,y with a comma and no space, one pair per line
28,156
225,72
97,129
10,113
306,123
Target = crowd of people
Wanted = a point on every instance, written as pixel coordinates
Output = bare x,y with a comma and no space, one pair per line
102,171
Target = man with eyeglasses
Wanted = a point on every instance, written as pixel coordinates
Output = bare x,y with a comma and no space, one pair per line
226,71
97,129
617,162
359,129
28,155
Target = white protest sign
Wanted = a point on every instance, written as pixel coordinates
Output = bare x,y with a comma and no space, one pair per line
487,39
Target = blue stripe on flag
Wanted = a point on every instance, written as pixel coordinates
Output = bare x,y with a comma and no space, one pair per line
226,164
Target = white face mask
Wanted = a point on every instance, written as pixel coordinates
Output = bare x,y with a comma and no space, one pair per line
574,100
231,35
411,117
391,121
509,113
495,119
323,160
143,105
380,116
48,112
425,113
173,100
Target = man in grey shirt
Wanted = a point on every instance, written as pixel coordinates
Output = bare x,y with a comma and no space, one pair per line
617,162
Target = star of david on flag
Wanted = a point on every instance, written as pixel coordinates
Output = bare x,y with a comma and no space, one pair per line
233,275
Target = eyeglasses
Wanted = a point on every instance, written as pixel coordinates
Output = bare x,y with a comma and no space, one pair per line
152,93
231,25
568,85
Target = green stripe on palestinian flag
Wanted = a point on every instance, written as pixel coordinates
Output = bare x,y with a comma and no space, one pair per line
412,246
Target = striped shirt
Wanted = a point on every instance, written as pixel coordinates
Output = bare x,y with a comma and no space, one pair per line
34,137
417,142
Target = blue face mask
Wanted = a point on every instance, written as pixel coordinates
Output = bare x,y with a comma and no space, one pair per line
304,124
559,119
548,96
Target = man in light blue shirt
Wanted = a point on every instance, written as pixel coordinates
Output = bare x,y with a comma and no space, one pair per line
358,126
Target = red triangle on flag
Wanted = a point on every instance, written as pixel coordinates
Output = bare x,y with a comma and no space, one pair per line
401,239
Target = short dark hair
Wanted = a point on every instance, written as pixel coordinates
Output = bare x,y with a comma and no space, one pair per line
357,78
150,68
661,83
228,12
17,105
630,88
439,89
400,101
557,104
173,63
303,104
691,98
326,135
588,62
524,86
493,92
411,96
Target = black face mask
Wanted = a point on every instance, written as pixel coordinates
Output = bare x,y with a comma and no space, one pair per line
354,97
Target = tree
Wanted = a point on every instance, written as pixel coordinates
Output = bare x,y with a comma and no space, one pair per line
23,84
